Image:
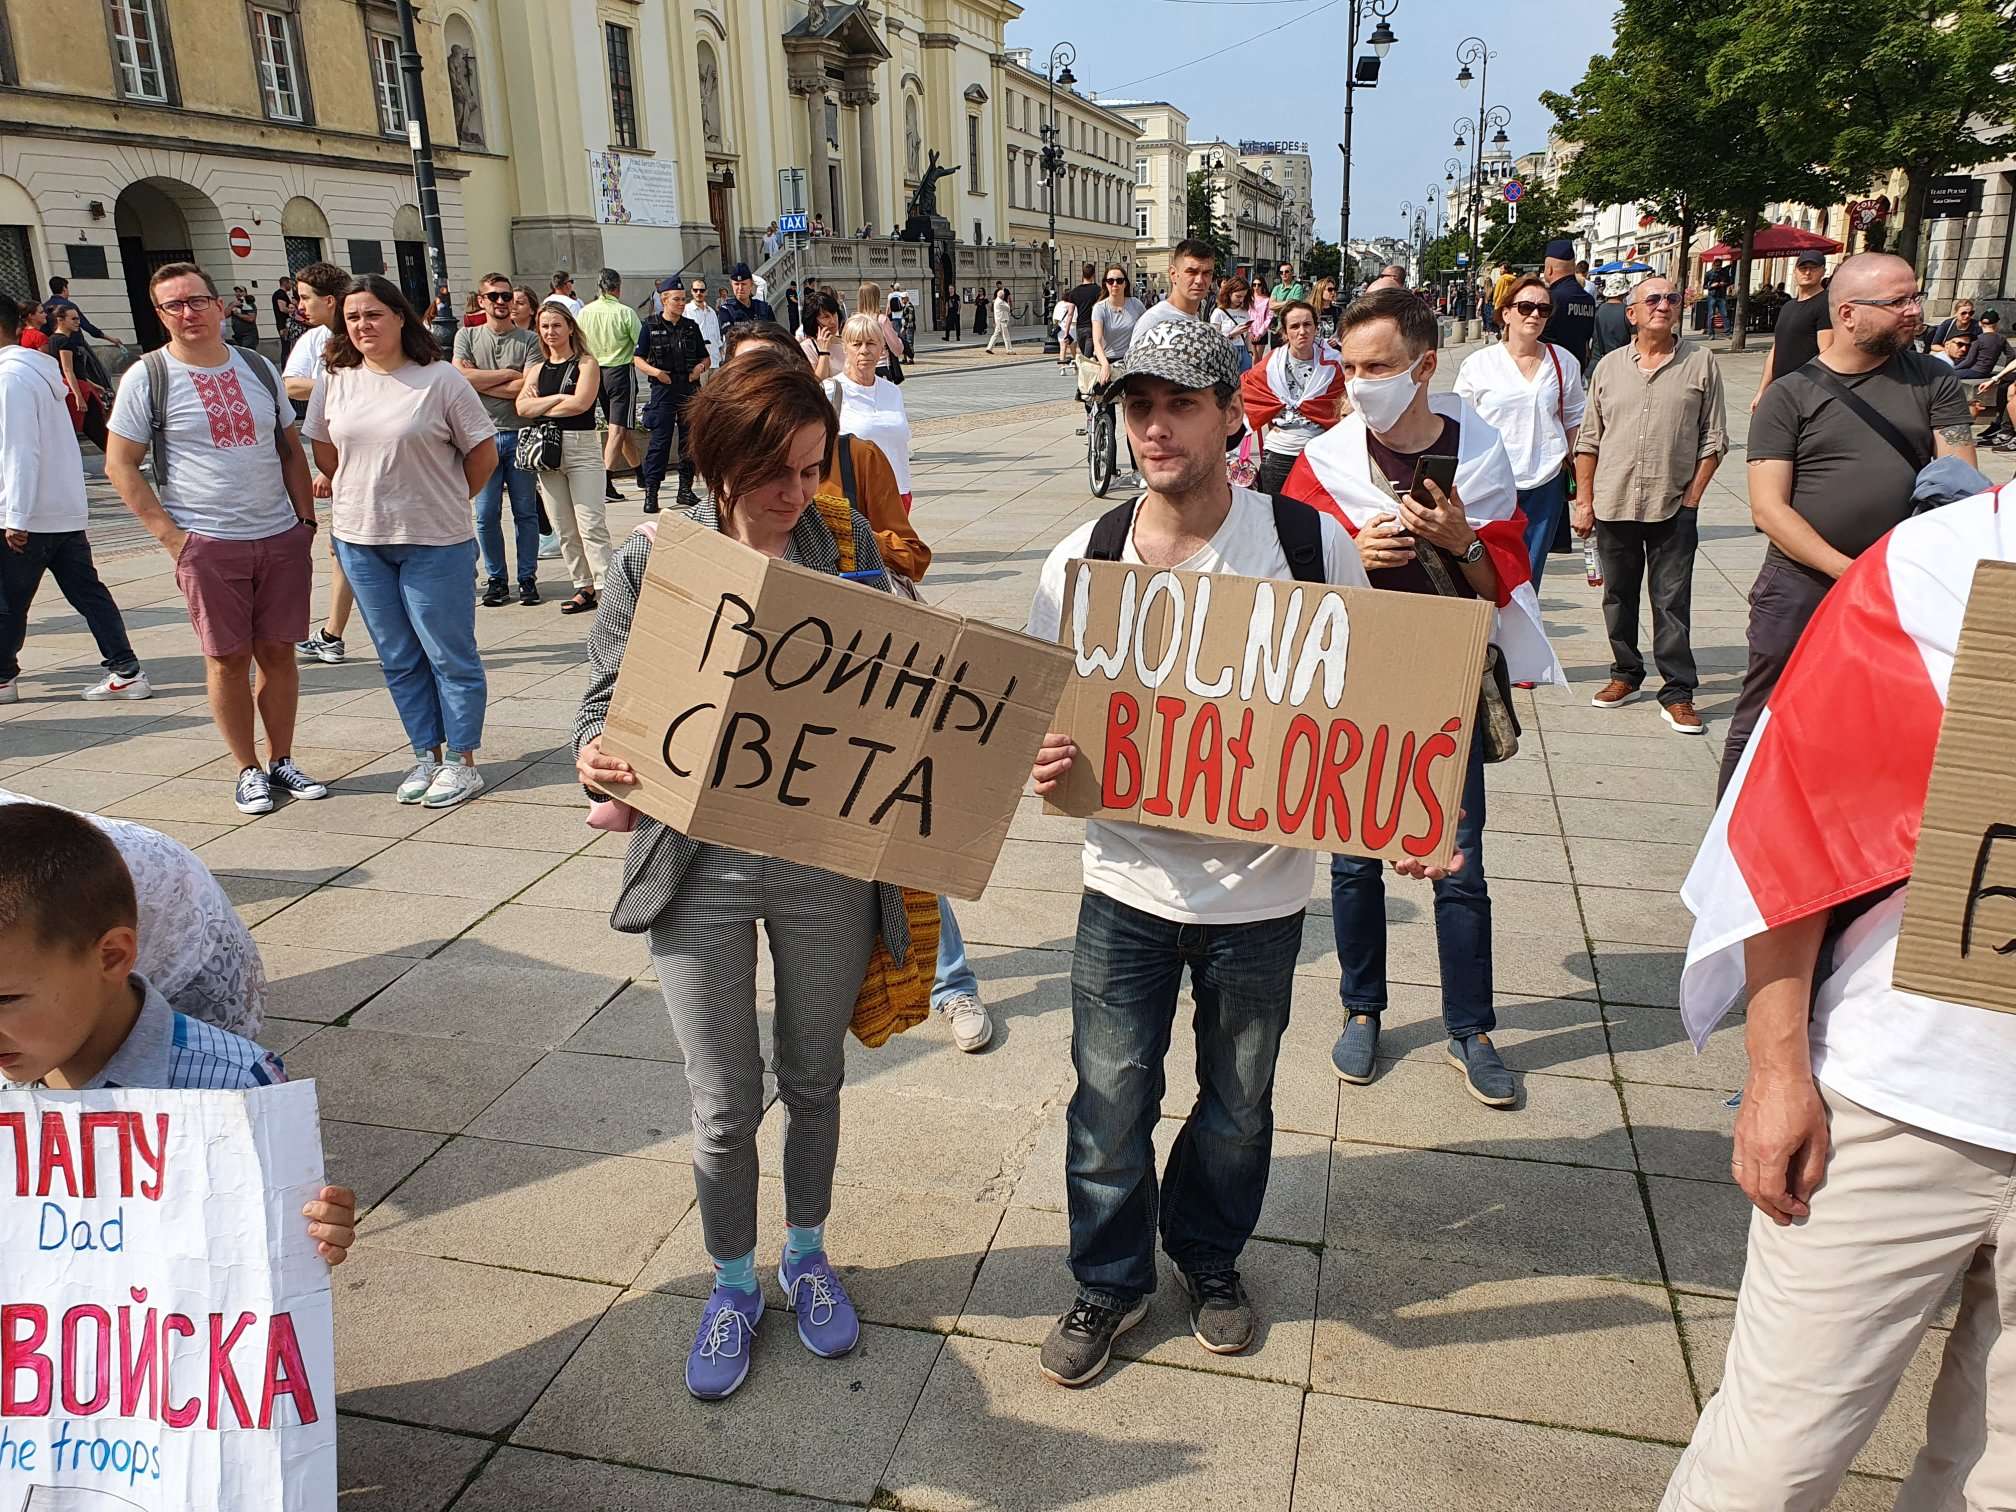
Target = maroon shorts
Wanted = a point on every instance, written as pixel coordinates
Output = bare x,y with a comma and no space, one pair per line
244,591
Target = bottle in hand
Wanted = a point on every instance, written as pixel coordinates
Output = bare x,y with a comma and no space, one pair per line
1592,566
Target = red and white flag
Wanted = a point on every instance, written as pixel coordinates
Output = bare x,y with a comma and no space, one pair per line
1334,474
1826,803
1266,392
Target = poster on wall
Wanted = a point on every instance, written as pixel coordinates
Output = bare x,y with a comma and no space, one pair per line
633,191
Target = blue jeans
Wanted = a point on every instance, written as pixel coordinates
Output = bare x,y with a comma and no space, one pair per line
419,603
1126,973
1462,924
524,514
1718,304
1544,504
955,976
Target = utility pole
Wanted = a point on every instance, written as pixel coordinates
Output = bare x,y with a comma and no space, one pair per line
422,143
1062,56
1381,40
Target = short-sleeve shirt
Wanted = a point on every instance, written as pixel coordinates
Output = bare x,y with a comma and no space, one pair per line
170,1051
1848,483
1160,311
1574,319
675,346
1795,339
399,438
481,347
1649,431
1120,326
224,477
1083,298
609,328
304,358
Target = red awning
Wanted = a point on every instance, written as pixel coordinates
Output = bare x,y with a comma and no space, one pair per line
1781,240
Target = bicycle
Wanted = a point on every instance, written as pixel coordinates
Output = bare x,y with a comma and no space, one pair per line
1101,441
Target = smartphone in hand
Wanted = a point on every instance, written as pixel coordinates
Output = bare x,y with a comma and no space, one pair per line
1441,469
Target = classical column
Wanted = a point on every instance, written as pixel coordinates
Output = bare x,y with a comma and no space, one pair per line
813,91
863,100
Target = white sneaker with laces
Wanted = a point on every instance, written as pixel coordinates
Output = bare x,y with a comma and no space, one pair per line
413,786
112,685
453,783
971,1027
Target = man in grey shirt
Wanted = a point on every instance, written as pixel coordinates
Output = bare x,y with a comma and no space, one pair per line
492,357
1191,266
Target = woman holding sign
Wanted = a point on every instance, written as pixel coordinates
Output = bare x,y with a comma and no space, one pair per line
761,434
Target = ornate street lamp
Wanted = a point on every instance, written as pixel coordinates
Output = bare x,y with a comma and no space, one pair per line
1062,56
1360,73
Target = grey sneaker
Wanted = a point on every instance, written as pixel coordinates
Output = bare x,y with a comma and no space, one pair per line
1356,1049
1081,1341
1484,1075
413,786
322,647
254,794
971,1027
1221,1316
453,783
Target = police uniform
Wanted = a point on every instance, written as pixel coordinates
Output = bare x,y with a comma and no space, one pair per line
675,347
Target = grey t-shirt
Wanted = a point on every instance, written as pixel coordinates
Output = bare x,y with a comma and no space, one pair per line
1848,483
1160,312
1118,325
479,346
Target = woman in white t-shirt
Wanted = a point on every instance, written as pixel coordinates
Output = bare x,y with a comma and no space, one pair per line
1232,319
405,443
870,406
1532,392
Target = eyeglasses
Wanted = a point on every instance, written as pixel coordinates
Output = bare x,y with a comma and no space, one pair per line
195,304
1659,299
1901,302
1531,307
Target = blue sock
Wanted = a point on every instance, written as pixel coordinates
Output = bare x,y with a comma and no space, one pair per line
739,1273
800,1242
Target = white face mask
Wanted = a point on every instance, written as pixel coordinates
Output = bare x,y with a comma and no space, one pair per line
1382,401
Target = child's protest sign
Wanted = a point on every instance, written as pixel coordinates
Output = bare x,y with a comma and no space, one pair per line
793,714
1280,713
166,1339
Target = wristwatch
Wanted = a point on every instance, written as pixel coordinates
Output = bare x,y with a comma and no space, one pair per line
1472,554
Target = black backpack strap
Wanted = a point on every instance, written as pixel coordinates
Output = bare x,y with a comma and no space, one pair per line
155,365
1818,372
846,448
1301,530
1110,532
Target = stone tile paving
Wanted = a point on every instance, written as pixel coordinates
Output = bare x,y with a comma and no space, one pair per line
1465,1308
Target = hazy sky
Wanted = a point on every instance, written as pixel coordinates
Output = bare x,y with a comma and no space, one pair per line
1289,83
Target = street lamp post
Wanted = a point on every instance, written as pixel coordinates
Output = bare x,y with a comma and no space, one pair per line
422,143
1062,56
1381,41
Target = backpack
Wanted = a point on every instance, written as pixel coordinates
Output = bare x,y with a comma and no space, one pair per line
1298,525
155,363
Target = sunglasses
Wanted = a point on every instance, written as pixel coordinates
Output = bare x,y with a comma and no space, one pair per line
1659,299
1116,280
1531,307
499,297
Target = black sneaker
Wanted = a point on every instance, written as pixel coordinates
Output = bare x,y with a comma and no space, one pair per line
294,782
1081,1341
1221,1317
528,594
609,493
495,594
650,503
254,794
688,498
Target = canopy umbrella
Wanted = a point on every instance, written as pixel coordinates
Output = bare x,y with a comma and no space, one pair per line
1613,266
1781,240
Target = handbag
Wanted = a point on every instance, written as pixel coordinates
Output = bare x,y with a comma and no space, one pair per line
540,446
1497,724
1563,543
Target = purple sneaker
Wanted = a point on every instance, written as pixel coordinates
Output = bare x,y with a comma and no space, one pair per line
720,1358
826,1320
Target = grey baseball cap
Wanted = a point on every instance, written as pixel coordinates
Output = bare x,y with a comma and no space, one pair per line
1188,353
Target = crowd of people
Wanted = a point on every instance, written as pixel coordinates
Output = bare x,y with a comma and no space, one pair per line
1593,414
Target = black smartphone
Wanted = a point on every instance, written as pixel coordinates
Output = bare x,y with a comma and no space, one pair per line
1441,469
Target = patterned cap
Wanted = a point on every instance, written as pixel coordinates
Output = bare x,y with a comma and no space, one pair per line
1187,352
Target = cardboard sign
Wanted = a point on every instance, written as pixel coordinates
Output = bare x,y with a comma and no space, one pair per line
165,1329
1958,940
794,714
1281,713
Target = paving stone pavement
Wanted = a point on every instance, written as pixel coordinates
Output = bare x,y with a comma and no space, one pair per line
1464,1308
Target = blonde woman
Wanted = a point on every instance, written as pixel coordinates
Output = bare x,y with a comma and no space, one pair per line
870,406
561,385
868,300
1323,300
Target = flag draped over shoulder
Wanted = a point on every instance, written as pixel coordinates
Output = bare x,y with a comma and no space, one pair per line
1265,388
1334,474
1826,803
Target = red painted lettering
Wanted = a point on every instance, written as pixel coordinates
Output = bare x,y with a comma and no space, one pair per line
1172,711
1377,829
1241,747
1123,718
221,1373
23,1328
56,1155
189,1411
286,1374
101,1357
1205,762
139,1369
1289,809
1436,747
1333,809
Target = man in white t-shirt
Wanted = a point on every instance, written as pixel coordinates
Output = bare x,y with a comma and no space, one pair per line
1192,264
704,315
318,292
562,285
1157,900
235,511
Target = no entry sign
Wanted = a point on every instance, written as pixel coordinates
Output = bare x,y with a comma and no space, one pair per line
241,242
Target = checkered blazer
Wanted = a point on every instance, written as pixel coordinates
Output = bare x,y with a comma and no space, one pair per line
659,856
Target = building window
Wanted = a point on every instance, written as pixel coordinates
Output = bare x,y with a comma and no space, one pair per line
1029,182
7,70
275,54
1141,220
1141,170
622,93
385,80
973,153
137,45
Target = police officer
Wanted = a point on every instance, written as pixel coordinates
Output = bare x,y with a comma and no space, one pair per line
671,354
1573,322
745,305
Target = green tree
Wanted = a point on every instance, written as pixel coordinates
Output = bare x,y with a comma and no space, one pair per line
1543,215
1438,258
1867,86
1204,225
1322,260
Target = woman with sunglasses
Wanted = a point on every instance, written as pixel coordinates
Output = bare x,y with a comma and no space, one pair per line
1532,392
1113,320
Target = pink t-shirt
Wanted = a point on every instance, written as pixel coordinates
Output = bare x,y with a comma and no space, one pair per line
400,438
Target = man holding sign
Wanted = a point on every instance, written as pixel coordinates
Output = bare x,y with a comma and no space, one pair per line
1877,1138
1157,899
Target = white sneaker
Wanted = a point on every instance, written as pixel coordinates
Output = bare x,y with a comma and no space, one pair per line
549,547
10,692
112,685
453,783
413,787
971,1027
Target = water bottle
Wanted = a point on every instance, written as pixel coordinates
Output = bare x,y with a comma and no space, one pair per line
1592,567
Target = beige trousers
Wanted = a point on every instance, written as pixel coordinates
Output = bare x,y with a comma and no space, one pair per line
577,508
1831,1311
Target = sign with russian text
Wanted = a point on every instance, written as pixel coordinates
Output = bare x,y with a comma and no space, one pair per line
165,1327
795,714
1282,713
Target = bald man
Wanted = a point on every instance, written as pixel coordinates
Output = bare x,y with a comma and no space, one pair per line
1826,484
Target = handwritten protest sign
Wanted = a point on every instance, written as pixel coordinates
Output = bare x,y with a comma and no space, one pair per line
791,713
1277,712
165,1326
1958,941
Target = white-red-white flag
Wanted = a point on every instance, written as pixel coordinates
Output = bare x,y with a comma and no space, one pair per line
1266,390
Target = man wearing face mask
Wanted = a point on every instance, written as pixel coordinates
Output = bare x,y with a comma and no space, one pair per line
1362,471
1652,436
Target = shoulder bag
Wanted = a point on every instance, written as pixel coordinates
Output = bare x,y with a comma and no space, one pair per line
1497,724
540,447
1818,372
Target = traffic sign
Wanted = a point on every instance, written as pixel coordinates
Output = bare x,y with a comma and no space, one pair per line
1513,189
1462,259
1512,213
241,242
791,224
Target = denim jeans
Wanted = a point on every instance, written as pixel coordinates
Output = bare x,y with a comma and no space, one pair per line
524,514
1126,973
1718,304
1462,924
1544,504
419,603
955,975
66,556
